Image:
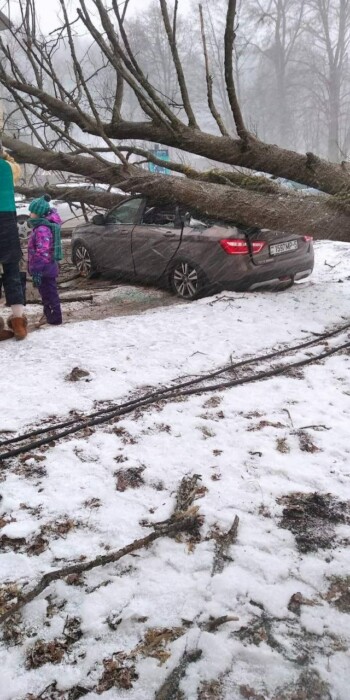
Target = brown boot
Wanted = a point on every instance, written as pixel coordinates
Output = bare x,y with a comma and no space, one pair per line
4,334
18,324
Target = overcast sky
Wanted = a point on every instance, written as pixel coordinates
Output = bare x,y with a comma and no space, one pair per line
48,10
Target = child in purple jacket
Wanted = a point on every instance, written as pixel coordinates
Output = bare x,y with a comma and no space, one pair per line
44,252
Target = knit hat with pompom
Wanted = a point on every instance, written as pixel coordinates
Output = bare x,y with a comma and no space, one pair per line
40,206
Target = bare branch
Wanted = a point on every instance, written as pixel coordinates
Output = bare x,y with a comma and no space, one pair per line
119,94
128,66
178,65
181,524
230,85
216,114
176,9
224,177
81,79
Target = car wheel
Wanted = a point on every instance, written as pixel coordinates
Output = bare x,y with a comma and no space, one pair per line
23,228
83,261
187,280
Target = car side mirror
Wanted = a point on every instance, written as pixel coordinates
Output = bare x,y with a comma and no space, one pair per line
98,219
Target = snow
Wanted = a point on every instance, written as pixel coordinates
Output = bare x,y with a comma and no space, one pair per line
231,443
18,530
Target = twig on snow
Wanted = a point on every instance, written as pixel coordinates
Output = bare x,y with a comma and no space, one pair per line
213,624
169,688
67,300
187,492
332,266
313,427
222,545
173,526
289,416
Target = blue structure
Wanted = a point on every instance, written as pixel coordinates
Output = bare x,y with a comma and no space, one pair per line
162,154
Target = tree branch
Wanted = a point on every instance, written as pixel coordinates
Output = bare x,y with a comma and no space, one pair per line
317,216
183,523
224,177
230,85
178,65
96,198
150,98
80,76
209,79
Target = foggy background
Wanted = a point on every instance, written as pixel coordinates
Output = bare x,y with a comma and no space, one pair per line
291,66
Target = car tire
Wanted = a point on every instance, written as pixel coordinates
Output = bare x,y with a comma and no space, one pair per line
187,280
83,260
23,228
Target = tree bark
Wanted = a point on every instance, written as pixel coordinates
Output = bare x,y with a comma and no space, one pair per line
257,155
97,198
317,216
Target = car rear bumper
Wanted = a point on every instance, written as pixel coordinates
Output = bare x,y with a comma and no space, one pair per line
254,277
284,280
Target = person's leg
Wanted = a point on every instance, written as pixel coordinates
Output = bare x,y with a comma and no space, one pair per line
42,289
13,286
4,333
14,297
23,276
51,302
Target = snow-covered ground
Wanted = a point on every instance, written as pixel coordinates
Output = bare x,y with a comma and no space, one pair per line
256,460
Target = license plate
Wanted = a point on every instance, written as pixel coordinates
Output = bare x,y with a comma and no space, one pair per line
279,248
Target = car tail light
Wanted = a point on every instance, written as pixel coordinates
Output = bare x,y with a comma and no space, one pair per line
308,239
237,246
257,246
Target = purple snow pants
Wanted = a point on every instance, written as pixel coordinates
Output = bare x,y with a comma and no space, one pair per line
51,302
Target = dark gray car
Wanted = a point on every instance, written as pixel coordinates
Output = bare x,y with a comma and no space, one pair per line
157,244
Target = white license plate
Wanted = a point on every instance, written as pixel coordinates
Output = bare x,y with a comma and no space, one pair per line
279,248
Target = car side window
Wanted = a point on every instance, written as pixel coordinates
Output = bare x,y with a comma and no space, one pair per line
126,213
159,216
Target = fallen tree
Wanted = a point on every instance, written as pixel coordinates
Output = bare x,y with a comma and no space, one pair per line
318,216
64,116
97,198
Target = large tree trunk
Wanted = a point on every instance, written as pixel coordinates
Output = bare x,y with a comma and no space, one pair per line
254,154
317,216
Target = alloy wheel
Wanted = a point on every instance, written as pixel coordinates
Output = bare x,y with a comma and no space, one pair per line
185,280
83,260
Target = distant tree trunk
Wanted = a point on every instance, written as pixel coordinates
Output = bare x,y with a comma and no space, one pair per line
333,151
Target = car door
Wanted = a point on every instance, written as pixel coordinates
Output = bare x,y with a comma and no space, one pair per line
113,244
155,240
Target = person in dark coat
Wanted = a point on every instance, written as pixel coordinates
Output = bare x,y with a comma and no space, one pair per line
10,251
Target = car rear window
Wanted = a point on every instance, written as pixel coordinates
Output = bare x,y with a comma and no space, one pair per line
198,221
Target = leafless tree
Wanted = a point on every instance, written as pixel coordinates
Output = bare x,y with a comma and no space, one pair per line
278,26
329,29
